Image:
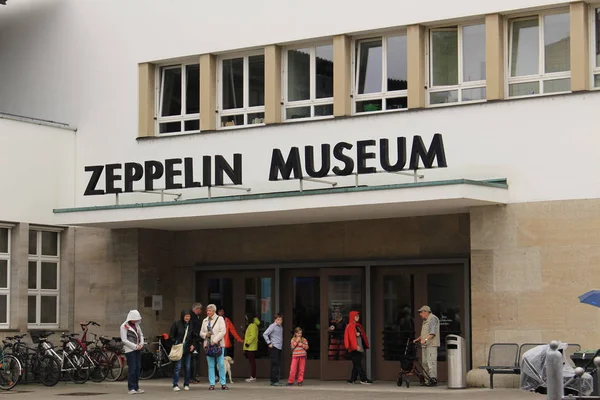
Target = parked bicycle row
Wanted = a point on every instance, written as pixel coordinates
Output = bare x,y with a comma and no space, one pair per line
76,357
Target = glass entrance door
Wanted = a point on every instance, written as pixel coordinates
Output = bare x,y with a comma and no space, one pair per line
242,294
342,291
399,293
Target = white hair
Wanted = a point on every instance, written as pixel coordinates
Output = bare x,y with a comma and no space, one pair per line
211,307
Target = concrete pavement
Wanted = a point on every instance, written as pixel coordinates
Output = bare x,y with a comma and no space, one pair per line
160,389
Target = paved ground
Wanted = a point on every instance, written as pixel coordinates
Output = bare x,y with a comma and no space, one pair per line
312,390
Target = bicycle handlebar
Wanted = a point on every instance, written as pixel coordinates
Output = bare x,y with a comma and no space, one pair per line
85,325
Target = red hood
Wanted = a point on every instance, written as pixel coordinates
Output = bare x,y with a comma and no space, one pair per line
351,316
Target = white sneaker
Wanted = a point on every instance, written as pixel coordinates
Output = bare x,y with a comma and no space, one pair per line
186,388
251,380
176,388
139,391
132,392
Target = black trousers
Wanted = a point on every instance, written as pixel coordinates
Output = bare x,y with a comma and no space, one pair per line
195,367
275,364
357,367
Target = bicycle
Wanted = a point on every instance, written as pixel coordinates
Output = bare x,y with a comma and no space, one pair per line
71,359
111,347
41,361
10,369
160,360
95,359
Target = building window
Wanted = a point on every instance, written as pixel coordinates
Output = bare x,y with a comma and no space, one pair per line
179,98
457,64
539,55
43,278
596,52
242,90
4,276
308,82
380,74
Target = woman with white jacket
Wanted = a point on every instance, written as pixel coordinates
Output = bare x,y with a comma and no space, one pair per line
133,342
213,332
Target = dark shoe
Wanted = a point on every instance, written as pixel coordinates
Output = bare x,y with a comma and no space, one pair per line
276,384
300,383
349,382
289,384
432,382
224,387
195,381
211,387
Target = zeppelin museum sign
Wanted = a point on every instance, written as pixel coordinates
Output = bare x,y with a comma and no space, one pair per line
190,172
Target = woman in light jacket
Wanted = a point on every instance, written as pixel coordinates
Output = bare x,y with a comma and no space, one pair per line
133,342
213,331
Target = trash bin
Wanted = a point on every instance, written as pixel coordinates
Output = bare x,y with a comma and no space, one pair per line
585,360
457,362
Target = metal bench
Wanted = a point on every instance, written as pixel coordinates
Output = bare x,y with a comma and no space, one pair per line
503,359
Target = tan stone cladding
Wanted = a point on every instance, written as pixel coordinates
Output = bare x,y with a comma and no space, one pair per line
529,263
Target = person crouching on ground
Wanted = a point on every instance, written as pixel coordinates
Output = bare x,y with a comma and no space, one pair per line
299,345
182,333
213,332
356,342
133,343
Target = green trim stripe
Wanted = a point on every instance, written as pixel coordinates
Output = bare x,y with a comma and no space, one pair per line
492,183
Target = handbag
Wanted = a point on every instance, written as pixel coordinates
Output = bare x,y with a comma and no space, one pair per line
176,352
213,350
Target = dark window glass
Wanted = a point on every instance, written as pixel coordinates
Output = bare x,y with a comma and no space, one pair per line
298,74
233,83
170,127
192,91
396,63
171,91
344,294
33,242
324,71
444,298
369,67
48,308
398,321
50,243
4,240
256,84
32,275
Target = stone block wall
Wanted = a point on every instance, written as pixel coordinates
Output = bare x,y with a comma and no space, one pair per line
529,263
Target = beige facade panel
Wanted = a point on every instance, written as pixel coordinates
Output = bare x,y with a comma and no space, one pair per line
580,53
208,92
342,76
146,85
416,66
494,56
272,84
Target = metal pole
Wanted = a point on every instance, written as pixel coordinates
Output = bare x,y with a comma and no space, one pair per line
554,360
356,179
117,198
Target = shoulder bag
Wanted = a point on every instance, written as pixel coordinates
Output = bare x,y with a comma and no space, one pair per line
213,350
176,352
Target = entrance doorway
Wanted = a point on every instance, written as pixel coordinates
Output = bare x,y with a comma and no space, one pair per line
240,294
400,292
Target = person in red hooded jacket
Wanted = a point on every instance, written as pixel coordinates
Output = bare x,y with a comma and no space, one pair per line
356,342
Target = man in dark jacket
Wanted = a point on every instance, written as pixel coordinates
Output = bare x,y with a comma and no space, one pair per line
196,322
182,333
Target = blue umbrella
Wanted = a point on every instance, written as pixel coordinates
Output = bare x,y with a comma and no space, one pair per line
592,297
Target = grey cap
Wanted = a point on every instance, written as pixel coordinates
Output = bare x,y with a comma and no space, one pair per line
425,308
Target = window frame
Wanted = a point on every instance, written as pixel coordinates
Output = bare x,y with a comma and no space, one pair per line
383,95
6,291
38,292
313,101
246,109
461,84
594,66
540,77
182,117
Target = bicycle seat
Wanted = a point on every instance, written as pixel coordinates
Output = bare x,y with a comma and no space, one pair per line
116,339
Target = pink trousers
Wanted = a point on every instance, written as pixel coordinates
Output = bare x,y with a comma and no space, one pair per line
297,367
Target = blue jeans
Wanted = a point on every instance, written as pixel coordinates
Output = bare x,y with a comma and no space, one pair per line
185,360
211,369
134,365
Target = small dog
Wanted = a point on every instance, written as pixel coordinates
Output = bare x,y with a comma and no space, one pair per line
228,362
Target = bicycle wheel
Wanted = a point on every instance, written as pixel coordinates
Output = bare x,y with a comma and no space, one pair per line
149,365
115,368
10,372
100,367
79,372
46,368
